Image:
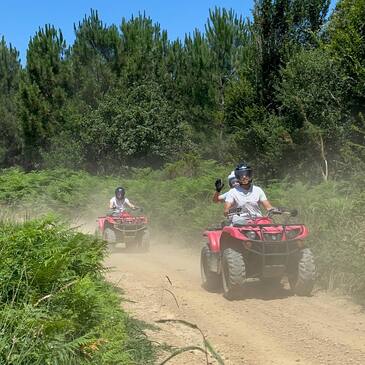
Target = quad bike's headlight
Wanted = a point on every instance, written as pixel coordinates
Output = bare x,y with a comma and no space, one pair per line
273,236
292,233
251,235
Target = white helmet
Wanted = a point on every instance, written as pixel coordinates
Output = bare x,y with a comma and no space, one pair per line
232,180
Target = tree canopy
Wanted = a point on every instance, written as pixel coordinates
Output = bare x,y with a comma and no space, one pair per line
284,90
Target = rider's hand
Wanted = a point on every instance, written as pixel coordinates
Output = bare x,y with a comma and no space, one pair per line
274,210
218,185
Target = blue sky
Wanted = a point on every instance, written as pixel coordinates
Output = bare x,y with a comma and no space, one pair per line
20,19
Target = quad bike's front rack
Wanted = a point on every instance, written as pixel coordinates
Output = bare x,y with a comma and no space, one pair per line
275,249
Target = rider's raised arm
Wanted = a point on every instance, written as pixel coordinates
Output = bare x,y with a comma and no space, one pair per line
219,198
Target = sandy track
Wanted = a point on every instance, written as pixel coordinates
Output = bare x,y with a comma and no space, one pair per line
265,327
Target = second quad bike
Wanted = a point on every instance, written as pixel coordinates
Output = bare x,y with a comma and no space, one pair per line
128,227
258,249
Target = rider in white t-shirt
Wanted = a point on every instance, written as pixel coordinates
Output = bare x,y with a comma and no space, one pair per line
119,201
246,196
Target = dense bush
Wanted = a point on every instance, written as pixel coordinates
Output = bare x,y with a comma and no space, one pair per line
55,307
333,212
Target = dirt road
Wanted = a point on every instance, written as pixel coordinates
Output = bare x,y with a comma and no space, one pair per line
264,328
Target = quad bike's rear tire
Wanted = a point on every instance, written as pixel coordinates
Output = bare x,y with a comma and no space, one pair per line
210,279
302,281
233,273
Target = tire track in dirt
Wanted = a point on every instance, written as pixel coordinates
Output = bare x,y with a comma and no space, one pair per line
265,327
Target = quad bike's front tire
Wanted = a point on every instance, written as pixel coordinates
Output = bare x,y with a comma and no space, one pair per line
210,279
141,243
144,243
109,235
233,273
302,281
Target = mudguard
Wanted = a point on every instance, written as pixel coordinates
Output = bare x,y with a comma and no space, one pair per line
235,233
101,223
214,240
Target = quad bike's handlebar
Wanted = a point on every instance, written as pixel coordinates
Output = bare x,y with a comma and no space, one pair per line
270,213
117,211
282,210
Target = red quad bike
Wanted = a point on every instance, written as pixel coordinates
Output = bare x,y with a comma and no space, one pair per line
258,249
124,227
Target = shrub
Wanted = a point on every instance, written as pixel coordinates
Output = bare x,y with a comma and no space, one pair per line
55,307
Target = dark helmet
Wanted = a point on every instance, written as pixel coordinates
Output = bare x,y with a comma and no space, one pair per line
119,193
243,169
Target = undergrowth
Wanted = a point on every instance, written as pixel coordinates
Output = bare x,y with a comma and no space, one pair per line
55,306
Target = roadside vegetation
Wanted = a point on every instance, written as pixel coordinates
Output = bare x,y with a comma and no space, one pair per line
55,306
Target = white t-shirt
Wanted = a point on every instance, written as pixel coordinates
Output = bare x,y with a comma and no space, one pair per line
120,204
247,199
222,197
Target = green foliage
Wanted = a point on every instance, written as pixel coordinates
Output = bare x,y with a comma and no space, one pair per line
64,191
127,96
10,132
346,31
283,27
55,307
43,92
331,211
312,97
134,124
262,139
96,59
353,150
225,33
144,47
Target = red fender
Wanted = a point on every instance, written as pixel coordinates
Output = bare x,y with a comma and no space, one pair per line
101,223
303,231
214,240
235,233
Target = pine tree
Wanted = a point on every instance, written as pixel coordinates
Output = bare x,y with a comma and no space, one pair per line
43,92
95,58
282,27
10,134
